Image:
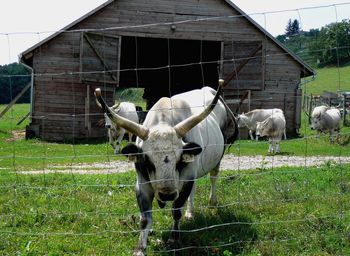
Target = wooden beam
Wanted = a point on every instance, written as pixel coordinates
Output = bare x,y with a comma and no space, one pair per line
23,118
9,106
242,99
99,56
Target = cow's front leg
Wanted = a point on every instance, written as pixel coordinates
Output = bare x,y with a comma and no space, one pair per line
130,136
278,150
251,134
270,146
144,200
190,204
177,211
213,201
118,141
331,135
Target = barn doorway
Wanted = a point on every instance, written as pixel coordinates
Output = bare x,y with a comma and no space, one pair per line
164,67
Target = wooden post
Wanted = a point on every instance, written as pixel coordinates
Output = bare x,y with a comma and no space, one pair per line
87,110
344,109
298,108
310,108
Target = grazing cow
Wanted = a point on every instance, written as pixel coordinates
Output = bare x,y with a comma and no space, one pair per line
115,132
272,127
182,138
251,118
325,119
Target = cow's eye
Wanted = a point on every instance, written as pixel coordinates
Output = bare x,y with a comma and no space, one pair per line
166,159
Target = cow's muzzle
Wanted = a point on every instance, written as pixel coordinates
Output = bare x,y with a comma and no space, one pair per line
108,126
168,196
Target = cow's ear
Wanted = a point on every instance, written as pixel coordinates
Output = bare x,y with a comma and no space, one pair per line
189,151
131,151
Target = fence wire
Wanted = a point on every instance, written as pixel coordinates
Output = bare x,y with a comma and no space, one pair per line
77,197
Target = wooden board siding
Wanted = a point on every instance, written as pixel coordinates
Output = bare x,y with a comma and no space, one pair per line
59,106
240,58
133,13
60,92
99,53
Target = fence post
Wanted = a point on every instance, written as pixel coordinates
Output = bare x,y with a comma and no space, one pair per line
344,109
310,107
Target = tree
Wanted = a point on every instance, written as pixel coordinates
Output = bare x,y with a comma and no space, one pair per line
332,46
13,78
329,45
293,28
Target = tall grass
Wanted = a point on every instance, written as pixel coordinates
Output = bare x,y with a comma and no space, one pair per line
282,211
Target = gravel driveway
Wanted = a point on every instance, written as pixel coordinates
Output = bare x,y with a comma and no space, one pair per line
229,162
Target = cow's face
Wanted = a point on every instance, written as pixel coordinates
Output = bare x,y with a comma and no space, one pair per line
316,122
161,159
242,120
260,128
108,122
112,126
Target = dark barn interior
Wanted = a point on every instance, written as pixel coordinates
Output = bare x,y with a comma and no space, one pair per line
165,67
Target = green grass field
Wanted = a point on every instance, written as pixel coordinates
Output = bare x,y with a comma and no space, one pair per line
279,211
329,79
284,211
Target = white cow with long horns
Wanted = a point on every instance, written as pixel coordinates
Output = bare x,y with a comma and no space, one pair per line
182,138
115,132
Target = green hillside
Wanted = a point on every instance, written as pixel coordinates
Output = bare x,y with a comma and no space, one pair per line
329,79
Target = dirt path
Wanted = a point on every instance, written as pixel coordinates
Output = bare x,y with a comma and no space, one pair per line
229,162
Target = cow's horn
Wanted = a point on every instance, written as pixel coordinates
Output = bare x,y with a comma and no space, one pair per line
128,125
186,125
116,106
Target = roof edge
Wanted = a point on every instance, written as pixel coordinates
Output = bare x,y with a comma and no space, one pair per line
292,54
22,55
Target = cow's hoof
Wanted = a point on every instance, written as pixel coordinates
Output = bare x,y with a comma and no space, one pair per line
161,204
139,253
213,202
173,243
189,215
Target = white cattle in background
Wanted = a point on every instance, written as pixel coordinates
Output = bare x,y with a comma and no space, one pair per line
115,132
272,127
251,119
324,119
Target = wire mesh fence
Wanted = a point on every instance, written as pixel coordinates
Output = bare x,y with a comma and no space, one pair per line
76,196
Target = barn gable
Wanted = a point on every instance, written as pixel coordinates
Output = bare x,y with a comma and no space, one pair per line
165,47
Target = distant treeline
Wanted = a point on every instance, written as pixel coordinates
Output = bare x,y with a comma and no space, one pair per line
13,78
327,46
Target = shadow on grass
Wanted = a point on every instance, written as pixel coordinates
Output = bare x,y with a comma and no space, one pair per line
212,233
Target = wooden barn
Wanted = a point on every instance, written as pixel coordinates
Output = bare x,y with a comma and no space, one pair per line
165,47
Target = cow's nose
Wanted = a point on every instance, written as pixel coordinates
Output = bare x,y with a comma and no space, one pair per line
312,128
167,197
108,126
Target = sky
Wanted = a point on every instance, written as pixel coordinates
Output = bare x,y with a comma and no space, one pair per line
23,23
